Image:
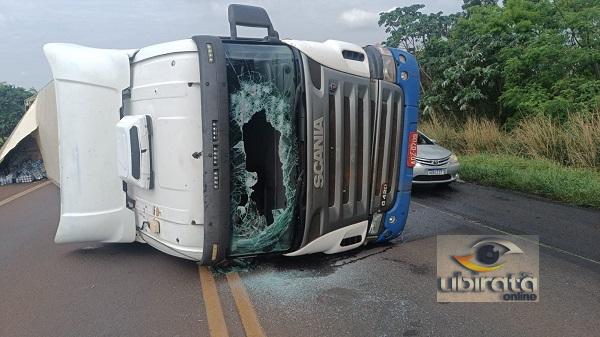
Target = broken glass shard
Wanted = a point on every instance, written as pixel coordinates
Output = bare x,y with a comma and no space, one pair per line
264,152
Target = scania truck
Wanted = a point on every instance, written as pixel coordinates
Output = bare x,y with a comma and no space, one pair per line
214,147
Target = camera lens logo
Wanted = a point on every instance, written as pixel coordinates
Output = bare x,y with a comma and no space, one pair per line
477,268
487,255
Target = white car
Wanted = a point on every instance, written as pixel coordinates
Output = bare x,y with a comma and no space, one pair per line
435,164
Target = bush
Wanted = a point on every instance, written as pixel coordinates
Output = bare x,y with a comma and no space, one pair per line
574,142
580,186
445,131
483,135
540,137
12,107
583,141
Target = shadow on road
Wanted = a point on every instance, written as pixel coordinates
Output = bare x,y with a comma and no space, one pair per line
438,191
107,252
312,265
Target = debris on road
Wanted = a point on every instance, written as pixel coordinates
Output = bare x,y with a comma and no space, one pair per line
23,165
23,172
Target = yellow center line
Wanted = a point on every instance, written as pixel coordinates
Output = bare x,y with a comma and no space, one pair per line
20,194
212,303
244,306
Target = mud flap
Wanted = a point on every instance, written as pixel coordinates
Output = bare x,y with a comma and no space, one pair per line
89,84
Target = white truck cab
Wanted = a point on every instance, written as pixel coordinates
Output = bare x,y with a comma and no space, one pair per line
212,147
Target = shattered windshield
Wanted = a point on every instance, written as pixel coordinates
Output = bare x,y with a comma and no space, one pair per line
264,154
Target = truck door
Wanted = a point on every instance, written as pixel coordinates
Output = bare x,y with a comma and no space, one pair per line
89,84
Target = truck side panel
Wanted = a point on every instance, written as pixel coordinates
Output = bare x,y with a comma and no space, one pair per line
395,219
89,84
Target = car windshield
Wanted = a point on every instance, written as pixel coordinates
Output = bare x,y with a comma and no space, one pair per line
423,140
262,84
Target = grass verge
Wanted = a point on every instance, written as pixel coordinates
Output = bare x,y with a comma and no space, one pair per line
579,186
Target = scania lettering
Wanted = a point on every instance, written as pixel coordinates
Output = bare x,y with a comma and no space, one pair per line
318,152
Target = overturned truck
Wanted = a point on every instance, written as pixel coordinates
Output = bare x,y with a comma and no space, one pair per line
213,147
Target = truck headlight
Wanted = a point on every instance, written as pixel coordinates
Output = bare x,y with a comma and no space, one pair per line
389,65
453,158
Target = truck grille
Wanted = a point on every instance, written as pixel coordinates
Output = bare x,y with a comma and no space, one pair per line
386,155
353,142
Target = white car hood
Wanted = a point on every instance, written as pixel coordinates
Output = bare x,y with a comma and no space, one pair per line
432,152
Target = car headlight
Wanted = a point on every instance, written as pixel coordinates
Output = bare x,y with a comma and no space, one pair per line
453,158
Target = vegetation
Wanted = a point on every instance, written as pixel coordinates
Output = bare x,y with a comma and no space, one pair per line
514,88
524,58
543,177
573,142
12,107
539,155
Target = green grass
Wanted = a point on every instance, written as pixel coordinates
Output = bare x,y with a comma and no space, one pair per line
542,177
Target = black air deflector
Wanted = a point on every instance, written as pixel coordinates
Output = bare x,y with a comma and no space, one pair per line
215,141
375,62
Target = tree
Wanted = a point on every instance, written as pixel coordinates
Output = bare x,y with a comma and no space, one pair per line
552,67
457,75
412,30
12,107
471,3
507,62
475,67
421,34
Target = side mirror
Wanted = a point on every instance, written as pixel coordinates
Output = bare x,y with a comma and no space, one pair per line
433,141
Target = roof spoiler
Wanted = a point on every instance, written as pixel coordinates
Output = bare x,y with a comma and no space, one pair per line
250,16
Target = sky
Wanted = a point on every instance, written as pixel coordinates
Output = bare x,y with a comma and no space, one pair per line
26,25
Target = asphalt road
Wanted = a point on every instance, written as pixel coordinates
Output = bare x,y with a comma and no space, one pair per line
134,290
